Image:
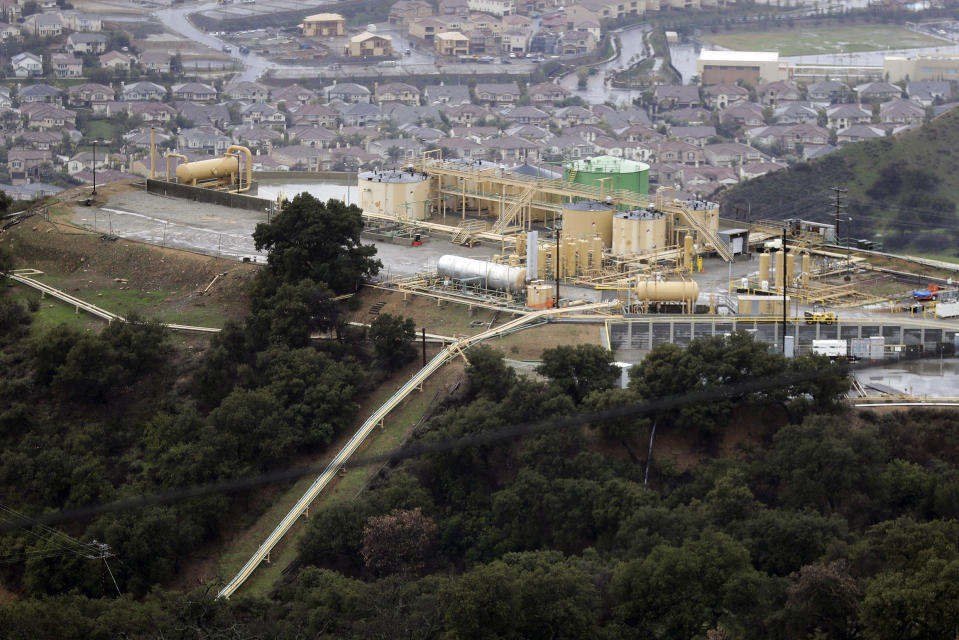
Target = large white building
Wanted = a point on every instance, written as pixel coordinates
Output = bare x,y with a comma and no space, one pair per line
493,7
731,67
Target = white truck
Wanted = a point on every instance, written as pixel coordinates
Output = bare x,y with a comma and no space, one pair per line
830,348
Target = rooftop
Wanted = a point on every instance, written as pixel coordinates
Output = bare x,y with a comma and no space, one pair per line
739,56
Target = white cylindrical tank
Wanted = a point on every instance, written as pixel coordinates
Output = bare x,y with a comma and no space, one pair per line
492,275
404,194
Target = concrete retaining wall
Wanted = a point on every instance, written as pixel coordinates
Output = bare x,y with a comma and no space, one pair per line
210,196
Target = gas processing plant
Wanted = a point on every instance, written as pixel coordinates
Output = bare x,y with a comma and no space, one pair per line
597,226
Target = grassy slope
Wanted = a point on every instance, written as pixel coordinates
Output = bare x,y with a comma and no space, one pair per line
803,190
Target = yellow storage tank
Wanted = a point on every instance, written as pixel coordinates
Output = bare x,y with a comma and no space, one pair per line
539,295
404,194
790,268
763,268
638,231
582,254
668,291
588,218
778,259
596,250
806,268
542,259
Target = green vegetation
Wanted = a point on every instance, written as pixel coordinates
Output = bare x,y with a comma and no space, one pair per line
91,417
818,526
810,40
902,189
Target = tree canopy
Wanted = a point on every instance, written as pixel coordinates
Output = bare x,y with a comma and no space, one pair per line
319,241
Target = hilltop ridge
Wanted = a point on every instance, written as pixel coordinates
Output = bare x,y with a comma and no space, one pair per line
902,189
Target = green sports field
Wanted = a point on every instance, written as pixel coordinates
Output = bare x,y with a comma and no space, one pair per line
827,39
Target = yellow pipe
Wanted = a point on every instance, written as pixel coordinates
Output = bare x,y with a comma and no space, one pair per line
173,155
249,164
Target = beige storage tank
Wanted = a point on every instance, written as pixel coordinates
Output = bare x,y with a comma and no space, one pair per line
667,291
790,268
763,268
688,251
404,194
542,259
539,295
638,231
588,218
521,244
596,260
806,267
582,255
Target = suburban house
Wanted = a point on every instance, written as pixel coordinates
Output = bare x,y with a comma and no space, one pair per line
48,116
26,65
397,92
39,92
772,93
87,43
497,93
194,92
547,93
142,91
155,62
293,95
878,91
720,96
116,60
452,94
728,154
248,92
65,65
91,95
323,24
43,25
24,163
451,43
314,115
347,92
369,44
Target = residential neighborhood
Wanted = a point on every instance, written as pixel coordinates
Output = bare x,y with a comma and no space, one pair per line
80,80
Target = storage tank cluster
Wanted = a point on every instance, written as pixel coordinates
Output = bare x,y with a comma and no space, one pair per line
772,273
638,231
577,256
397,192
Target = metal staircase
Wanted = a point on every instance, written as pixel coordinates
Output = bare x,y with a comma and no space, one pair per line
466,230
524,198
705,235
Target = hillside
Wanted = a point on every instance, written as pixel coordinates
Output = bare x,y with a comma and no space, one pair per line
902,189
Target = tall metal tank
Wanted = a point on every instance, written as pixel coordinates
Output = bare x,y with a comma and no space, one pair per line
638,231
626,174
763,268
491,274
404,194
588,218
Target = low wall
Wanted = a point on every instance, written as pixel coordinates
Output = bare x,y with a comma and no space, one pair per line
292,176
210,196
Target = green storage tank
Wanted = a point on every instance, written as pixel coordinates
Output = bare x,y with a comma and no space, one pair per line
626,174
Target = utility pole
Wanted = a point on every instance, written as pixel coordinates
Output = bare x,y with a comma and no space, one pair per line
785,286
556,266
839,206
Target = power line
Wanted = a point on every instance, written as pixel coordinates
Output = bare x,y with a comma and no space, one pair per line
419,449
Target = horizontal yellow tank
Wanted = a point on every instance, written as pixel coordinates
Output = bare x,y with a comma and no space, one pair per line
207,169
669,291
